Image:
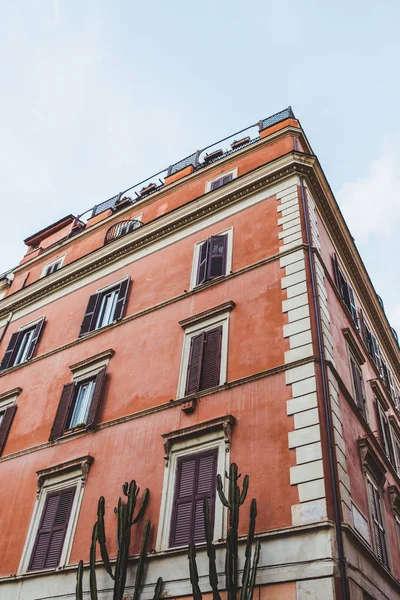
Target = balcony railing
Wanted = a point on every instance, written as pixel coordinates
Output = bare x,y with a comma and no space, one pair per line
120,229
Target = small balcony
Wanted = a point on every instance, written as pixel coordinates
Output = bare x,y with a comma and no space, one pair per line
120,229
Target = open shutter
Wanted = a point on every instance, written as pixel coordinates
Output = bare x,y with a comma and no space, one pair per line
352,305
97,394
90,314
217,256
205,488
121,301
194,366
12,347
336,270
52,529
62,411
212,359
6,425
35,338
202,268
358,385
183,506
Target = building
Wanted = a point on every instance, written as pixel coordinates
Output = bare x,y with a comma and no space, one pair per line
217,312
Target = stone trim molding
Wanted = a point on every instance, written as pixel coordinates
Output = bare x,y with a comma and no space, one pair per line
10,394
206,314
376,386
352,342
82,464
225,423
93,360
371,462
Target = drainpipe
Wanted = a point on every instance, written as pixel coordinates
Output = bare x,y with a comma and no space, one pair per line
326,403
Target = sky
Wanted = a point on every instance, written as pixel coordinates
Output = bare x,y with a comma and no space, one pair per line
97,95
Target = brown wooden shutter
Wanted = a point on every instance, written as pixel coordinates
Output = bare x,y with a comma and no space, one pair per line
194,366
358,385
52,529
217,256
202,267
216,184
195,480
211,359
96,398
6,425
122,296
377,523
336,270
62,411
11,351
35,338
89,319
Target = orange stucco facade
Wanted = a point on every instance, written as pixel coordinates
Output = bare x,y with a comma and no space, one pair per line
286,382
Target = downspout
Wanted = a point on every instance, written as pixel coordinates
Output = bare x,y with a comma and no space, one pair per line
327,410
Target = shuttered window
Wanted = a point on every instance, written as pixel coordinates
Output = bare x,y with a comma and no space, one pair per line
217,183
358,385
195,480
204,368
345,290
105,307
52,529
6,419
22,345
385,433
377,522
79,404
212,258
52,268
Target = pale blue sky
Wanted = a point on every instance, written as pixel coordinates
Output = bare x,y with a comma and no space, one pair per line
97,95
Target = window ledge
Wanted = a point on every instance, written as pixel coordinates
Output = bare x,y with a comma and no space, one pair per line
93,360
371,461
206,314
81,464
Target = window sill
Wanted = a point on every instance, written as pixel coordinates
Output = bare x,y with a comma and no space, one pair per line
205,284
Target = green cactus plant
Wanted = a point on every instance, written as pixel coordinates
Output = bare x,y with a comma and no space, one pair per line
236,498
126,519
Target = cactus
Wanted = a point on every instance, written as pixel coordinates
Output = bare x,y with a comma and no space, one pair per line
126,519
236,498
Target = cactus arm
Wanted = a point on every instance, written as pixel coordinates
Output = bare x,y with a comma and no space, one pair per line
79,578
254,571
244,489
249,542
131,504
194,576
213,576
141,562
101,536
221,494
158,589
92,580
143,506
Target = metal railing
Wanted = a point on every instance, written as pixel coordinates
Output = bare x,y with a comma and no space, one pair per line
120,229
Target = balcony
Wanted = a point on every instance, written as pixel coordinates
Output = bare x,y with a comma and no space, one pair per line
120,229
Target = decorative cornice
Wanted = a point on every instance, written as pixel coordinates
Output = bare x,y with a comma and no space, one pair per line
224,423
87,362
14,393
376,388
351,340
206,314
81,464
371,461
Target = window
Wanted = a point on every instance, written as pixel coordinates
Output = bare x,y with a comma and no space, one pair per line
52,267
358,385
79,404
195,480
55,514
221,179
345,290
22,345
378,528
212,258
385,433
51,533
8,408
105,307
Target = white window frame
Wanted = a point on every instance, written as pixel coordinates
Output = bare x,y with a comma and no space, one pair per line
196,255
57,260
221,319
233,172
51,484
209,441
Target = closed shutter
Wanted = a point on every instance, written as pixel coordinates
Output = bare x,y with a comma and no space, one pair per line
227,179
35,338
6,425
52,529
202,268
90,314
62,411
195,362
377,523
11,351
217,256
216,184
196,480
121,301
211,359
358,385
384,431
96,398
